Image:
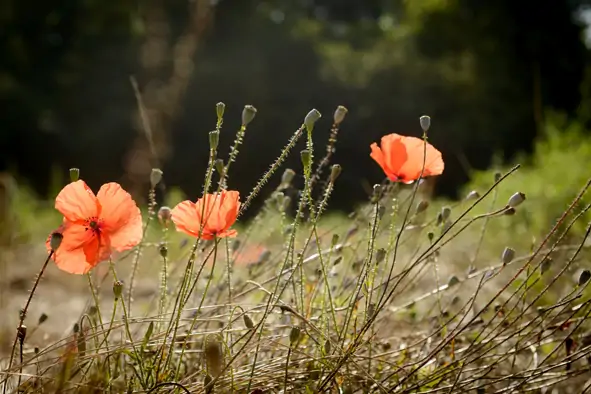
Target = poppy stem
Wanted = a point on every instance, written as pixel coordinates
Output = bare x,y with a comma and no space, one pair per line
23,315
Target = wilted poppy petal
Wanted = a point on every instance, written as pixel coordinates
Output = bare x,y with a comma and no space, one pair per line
121,218
186,218
77,202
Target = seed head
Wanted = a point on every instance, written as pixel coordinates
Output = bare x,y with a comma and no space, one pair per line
473,195
117,289
306,157
425,122
339,114
294,335
219,167
74,174
56,240
42,319
214,139
248,114
219,110
163,249
311,119
248,321
584,277
335,171
507,256
287,177
445,213
155,177
422,206
516,199
164,214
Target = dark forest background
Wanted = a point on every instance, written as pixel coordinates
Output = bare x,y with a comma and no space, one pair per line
485,71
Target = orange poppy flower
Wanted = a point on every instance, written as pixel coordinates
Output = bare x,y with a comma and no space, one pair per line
402,158
220,211
94,226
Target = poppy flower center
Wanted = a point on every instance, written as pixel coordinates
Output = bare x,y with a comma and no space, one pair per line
93,224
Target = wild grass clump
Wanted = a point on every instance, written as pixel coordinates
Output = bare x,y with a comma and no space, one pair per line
403,295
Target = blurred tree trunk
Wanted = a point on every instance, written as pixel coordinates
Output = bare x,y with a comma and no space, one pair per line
167,68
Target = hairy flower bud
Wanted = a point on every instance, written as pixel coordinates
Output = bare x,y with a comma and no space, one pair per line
219,167
422,206
473,195
306,158
164,214
56,240
445,213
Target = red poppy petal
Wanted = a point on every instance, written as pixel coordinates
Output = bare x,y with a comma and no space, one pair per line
77,202
186,218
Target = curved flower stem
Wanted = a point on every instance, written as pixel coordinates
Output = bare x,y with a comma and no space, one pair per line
23,315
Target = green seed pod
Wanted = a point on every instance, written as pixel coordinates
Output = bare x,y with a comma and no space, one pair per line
74,174
339,114
155,177
219,110
248,114
425,122
294,335
311,119
214,139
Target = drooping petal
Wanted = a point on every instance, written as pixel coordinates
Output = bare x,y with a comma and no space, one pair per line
121,218
77,202
70,256
186,218
97,249
432,162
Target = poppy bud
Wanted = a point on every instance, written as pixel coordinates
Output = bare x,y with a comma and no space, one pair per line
516,199
214,139
42,319
327,347
509,211
235,245
163,249
380,255
335,171
155,177
287,177
545,266
473,195
219,166
311,119
306,158
507,256
117,289
294,335
248,114
497,176
445,213
430,235
425,122
164,214
339,114
21,333
219,109
335,239
453,281
584,277
56,240
74,174
422,206
248,321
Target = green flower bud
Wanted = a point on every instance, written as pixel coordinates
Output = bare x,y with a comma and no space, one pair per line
294,335
422,206
287,177
219,166
306,158
117,289
516,199
507,256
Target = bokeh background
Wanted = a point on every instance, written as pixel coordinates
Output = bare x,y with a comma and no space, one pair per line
489,73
